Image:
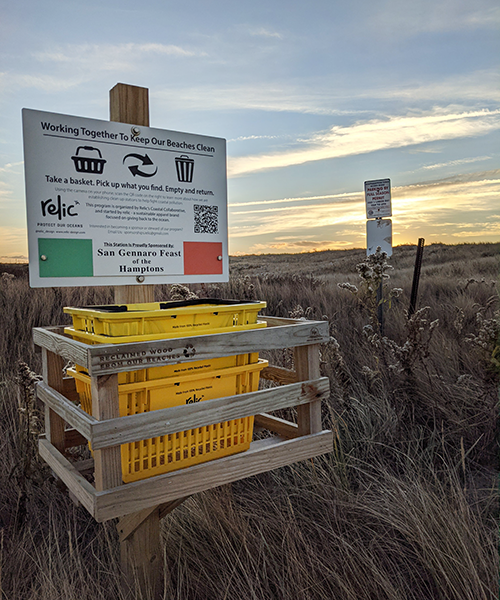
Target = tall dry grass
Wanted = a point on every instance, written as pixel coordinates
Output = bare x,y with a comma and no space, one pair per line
404,507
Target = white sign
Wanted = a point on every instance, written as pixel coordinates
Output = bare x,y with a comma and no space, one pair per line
379,234
378,198
114,204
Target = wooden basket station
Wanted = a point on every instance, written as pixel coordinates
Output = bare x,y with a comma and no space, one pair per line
109,498
105,372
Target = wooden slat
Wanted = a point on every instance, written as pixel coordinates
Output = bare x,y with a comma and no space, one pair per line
179,418
105,405
77,484
109,358
53,339
85,466
102,359
168,507
129,523
73,415
276,425
73,438
279,375
307,367
52,371
279,321
263,455
69,390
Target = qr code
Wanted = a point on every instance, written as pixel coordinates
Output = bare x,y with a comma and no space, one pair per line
206,219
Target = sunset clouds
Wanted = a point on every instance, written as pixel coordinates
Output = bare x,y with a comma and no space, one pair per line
313,99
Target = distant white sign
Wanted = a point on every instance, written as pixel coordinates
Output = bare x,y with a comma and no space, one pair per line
378,198
379,233
114,204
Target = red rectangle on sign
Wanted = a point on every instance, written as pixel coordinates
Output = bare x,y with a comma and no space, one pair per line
202,258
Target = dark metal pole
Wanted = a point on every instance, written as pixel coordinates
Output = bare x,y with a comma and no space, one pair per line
380,306
416,277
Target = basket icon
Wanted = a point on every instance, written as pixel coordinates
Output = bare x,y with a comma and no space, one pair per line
185,168
88,163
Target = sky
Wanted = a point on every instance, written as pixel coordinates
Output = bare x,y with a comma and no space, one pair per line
313,98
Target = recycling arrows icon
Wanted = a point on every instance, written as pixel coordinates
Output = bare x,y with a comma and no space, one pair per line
135,169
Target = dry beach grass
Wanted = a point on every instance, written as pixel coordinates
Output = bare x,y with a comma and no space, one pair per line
404,508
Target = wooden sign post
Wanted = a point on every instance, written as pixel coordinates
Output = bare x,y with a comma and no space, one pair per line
140,546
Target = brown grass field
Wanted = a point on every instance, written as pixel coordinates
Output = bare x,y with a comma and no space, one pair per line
404,508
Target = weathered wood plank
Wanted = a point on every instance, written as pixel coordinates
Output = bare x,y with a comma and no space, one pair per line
109,358
279,375
281,427
52,339
179,418
72,414
52,371
77,484
307,367
129,523
105,405
102,359
69,390
263,455
168,507
73,438
85,466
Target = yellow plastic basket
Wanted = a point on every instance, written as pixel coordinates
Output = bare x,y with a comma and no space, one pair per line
157,320
186,448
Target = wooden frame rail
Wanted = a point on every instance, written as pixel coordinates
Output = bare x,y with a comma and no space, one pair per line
69,426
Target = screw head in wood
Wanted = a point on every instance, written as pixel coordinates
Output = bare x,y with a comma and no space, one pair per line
43,257
140,278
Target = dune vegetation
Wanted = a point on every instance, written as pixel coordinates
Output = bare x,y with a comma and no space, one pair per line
405,507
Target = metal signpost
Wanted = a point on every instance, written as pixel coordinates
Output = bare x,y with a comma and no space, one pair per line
378,205
114,204
378,229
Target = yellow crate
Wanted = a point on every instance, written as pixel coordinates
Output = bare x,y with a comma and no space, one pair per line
155,320
94,338
176,451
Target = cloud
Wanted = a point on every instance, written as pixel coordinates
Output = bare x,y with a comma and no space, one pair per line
373,135
245,138
110,57
11,167
406,17
454,163
263,32
298,246
62,68
444,205
327,96
13,242
311,98
346,197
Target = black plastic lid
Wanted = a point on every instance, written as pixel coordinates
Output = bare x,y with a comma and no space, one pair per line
116,308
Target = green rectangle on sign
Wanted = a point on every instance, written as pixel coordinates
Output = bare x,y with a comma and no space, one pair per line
65,258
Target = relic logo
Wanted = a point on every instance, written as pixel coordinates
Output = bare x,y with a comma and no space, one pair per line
194,398
59,208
